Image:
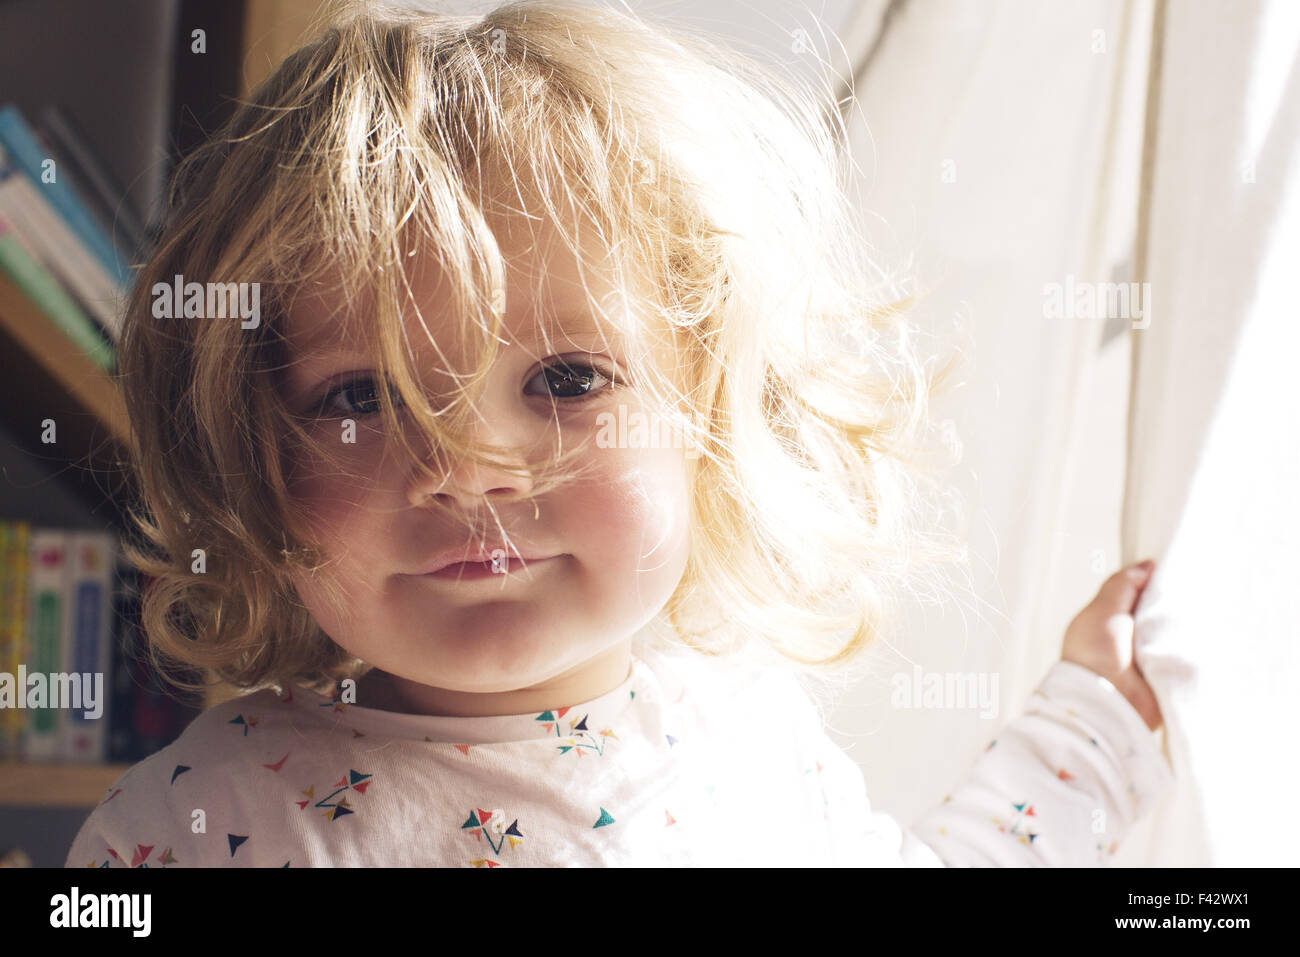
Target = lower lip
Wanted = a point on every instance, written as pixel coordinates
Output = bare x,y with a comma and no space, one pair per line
471,571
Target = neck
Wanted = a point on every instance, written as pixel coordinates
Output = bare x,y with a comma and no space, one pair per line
591,679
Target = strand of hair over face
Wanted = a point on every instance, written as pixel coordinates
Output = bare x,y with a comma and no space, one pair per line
707,187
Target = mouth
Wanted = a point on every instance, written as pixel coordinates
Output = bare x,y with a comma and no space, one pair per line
499,567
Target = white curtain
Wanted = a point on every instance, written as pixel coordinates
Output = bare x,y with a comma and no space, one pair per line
1015,152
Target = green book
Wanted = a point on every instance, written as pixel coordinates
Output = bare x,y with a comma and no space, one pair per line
50,298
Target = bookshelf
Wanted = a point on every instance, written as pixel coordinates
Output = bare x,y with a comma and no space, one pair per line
56,785
143,96
83,381
73,384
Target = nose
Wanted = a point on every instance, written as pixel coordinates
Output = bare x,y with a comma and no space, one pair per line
468,483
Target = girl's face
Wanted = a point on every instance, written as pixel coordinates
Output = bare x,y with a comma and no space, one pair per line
605,551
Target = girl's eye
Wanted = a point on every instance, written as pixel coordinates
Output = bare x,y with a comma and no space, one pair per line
363,401
563,380
573,380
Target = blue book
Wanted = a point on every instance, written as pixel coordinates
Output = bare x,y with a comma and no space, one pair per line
27,154
88,653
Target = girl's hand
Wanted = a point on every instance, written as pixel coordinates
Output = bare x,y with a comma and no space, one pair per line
1100,638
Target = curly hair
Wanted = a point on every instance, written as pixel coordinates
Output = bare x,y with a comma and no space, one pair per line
718,189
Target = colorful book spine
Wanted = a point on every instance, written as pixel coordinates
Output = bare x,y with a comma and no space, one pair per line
49,297
18,138
13,615
58,249
47,622
99,190
7,691
70,608
88,656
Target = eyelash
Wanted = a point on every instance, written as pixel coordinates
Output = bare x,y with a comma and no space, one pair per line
573,369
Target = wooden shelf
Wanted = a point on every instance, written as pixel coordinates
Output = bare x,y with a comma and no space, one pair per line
94,390
47,376
56,785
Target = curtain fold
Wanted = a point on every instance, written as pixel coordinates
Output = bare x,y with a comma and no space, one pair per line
1018,152
1214,463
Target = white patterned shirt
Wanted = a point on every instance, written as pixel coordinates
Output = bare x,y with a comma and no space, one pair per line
690,762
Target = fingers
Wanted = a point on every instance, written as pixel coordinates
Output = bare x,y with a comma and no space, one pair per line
1120,592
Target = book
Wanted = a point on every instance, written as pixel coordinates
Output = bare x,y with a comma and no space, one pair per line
13,617
50,299
99,191
91,571
74,606
47,621
19,140
57,248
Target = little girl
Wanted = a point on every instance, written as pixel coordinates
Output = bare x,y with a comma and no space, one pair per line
572,429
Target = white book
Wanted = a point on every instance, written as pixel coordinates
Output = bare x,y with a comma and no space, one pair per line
47,238
10,229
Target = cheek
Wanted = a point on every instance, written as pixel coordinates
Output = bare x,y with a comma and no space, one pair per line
334,507
334,491
337,492
638,507
342,594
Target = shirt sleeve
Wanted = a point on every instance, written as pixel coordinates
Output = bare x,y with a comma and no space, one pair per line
861,837
1059,786
136,824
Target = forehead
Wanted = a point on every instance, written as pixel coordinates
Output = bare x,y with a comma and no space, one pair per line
548,298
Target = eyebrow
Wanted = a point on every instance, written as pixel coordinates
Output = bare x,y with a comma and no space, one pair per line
584,333
318,345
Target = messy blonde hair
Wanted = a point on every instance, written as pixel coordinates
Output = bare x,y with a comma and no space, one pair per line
715,186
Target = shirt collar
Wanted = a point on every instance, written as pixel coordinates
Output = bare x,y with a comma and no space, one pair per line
590,717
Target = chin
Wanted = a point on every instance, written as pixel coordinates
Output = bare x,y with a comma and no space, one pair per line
503,652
